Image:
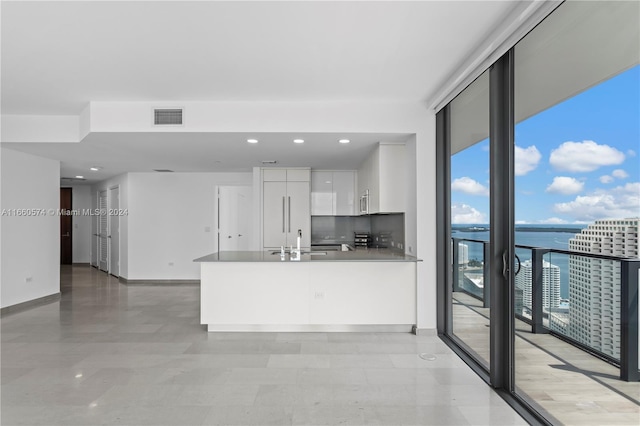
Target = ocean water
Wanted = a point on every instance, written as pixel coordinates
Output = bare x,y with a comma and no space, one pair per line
544,239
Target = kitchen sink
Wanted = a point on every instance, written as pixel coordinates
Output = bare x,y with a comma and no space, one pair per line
312,253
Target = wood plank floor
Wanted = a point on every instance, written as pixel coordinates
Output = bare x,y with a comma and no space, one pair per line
569,384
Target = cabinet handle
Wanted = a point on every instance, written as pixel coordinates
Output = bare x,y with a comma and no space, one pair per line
283,215
289,214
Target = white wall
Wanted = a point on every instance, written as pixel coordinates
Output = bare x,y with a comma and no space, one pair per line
425,224
410,219
30,254
169,214
81,224
40,128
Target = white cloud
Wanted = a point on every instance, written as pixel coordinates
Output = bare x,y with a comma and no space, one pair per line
565,185
631,153
469,186
620,202
553,221
606,179
585,156
465,214
526,159
619,174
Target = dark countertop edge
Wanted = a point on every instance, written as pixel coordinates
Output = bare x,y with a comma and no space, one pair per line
378,257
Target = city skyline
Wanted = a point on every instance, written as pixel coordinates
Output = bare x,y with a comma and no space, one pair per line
570,168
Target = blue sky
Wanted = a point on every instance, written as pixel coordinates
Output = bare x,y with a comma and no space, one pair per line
576,162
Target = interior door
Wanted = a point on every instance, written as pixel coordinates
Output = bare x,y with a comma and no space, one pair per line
66,231
274,224
234,218
114,232
103,232
298,213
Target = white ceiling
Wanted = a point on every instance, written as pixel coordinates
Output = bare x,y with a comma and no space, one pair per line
58,56
205,152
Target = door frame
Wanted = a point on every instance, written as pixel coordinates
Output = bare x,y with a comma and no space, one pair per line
98,230
111,232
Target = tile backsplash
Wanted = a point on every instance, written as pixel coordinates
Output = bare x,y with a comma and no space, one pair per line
387,230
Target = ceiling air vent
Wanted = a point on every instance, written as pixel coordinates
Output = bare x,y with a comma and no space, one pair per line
167,117
163,170
269,161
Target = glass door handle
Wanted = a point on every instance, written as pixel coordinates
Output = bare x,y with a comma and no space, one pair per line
505,264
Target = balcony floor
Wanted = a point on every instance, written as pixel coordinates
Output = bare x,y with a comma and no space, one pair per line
571,385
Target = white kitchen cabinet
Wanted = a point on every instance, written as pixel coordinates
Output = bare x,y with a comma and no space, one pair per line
382,180
321,193
333,193
298,213
344,193
274,202
285,207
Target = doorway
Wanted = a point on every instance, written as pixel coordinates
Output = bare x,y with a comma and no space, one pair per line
66,227
234,217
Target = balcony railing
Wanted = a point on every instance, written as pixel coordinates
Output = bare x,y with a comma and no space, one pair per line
617,302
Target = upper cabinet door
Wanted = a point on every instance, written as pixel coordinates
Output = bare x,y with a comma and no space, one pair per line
322,193
298,175
344,193
274,175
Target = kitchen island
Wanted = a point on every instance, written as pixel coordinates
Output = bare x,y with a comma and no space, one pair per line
368,290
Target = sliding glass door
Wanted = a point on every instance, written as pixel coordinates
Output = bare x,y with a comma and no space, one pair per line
538,182
469,304
577,109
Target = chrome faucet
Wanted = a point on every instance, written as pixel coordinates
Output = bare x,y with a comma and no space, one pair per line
296,254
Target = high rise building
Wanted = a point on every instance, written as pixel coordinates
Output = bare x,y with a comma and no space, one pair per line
463,254
550,284
594,284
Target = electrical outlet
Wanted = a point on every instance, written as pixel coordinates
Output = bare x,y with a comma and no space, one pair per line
319,295
170,263
410,249
28,279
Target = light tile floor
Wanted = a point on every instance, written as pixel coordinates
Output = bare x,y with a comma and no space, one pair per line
111,354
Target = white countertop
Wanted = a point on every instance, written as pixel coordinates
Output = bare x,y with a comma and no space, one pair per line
359,255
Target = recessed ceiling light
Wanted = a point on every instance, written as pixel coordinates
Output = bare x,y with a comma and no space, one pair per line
298,141
252,140
79,177
344,141
95,169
